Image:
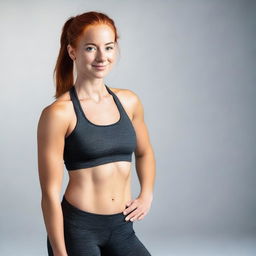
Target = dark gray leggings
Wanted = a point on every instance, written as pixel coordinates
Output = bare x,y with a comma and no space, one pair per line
91,234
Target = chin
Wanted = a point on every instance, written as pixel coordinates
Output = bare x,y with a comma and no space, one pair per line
99,75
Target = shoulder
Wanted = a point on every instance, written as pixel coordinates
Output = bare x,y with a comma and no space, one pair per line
56,108
55,114
127,94
130,99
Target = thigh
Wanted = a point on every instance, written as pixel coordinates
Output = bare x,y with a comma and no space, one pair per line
79,242
124,242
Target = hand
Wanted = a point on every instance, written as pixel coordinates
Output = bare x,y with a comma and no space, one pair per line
138,208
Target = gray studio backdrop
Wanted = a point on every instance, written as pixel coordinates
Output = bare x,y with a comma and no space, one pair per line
192,63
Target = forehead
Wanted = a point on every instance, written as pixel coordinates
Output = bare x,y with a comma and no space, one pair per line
97,34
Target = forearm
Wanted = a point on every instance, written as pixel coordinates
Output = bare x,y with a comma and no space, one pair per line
53,219
145,168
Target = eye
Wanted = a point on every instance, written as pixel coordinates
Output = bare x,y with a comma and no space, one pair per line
89,48
111,47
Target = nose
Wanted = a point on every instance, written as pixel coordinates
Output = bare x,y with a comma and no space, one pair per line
101,56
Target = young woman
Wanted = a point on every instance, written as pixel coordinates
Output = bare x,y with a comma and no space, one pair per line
95,129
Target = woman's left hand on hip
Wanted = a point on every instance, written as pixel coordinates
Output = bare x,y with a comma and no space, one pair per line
138,208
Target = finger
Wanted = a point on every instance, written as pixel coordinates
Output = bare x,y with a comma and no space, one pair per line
127,211
128,203
141,216
136,217
127,218
132,215
130,209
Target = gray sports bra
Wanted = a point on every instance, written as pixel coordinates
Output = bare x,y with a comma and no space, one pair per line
91,144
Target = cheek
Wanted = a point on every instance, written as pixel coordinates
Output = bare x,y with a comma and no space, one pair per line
111,57
86,58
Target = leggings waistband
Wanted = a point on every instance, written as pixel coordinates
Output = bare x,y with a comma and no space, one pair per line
71,212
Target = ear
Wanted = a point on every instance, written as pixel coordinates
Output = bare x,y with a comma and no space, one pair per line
71,52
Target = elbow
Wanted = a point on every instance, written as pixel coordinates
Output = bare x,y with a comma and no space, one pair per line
50,196
148,152
47,202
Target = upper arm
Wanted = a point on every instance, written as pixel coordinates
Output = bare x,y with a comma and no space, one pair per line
142,133
51,131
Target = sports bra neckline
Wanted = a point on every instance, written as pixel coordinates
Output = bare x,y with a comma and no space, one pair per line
99,125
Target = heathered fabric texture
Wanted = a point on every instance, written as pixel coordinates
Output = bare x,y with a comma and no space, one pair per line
91,234
90,144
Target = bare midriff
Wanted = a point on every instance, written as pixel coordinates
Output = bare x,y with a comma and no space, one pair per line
102,189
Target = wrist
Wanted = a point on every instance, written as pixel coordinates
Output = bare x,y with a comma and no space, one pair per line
60,254
147,195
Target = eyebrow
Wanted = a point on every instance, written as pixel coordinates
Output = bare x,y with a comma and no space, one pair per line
96,45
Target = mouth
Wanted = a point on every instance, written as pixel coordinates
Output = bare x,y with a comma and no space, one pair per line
99,66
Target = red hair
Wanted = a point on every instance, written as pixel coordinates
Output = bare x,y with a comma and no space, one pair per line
71,32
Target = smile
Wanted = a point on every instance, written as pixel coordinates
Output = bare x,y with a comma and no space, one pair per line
99,67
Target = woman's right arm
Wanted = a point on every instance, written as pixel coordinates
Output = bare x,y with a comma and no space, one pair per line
51,131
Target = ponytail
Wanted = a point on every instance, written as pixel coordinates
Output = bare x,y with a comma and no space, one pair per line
64,65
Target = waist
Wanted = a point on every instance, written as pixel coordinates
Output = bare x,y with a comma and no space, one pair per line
104,190
84,219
